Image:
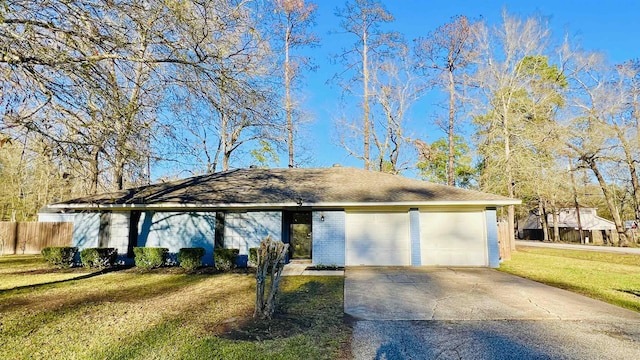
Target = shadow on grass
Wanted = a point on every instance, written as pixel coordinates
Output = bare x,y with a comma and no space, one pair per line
191,326
46,306
57,271
632,292
309,308
168,337
47,270
34,317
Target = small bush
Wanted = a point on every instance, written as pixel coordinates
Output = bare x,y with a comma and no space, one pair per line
225,259
150,257
190,258
60,256
98,257
253,257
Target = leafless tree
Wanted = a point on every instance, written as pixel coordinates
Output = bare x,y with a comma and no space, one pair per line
598,134
363,19
395,88
448,50
502,84
293,19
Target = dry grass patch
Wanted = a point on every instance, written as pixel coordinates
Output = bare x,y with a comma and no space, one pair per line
168,315
605,276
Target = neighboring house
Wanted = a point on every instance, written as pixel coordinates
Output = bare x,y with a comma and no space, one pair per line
52,215
595,229
332,216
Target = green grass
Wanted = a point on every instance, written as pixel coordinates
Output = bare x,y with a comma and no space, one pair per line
614,278
26,270
166,315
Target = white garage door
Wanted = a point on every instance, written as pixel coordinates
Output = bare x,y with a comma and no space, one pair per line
377,238
453,238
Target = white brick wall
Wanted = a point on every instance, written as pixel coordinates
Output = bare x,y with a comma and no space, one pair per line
245,230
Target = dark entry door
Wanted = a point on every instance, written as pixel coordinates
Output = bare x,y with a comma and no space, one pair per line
300,235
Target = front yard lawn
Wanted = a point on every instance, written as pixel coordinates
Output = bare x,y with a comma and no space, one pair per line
26,270
166,315
614,278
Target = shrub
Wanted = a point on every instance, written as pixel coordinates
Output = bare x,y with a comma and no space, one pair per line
98,257
253,257
272,257
190,258
225,259
60,256
150,257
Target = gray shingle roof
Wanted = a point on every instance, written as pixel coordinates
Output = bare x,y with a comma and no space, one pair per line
336,186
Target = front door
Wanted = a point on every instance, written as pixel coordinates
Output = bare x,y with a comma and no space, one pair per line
300,235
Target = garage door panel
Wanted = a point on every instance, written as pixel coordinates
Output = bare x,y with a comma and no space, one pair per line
453,257
453,238
383,257
377,239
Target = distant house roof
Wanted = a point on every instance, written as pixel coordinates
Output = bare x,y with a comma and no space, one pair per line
567,219
261,188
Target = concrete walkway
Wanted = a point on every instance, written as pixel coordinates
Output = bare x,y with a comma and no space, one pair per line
297,269
537,243
428,313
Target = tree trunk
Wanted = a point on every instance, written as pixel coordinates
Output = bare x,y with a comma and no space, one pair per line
287,90
366,126
214,165
118,172
225,160
608,196
510,181
226,153
556,228
575,200
636,190
452,89
543,220
631,165
94,168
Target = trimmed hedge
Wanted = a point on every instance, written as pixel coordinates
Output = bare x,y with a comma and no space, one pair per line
98,257
191,258
60,256
150,257
253,257
225,259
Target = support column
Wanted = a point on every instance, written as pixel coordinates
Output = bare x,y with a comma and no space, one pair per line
414,234
492,237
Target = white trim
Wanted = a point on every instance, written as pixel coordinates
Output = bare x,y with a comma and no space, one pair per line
170,206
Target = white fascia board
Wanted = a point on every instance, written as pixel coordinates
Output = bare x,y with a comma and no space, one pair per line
169,206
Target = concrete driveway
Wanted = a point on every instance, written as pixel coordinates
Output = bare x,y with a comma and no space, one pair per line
428,313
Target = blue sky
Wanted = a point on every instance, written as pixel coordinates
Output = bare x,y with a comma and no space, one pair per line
612,27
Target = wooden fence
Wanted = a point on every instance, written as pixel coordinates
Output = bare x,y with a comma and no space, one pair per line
32,237
504,240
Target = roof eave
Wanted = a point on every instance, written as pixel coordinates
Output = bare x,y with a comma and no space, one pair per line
247,206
